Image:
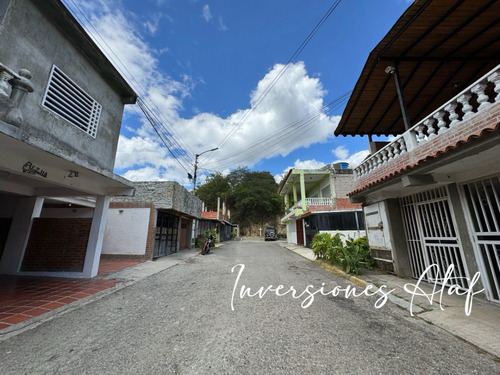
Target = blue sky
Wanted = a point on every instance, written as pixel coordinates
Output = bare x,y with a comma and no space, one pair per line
214,74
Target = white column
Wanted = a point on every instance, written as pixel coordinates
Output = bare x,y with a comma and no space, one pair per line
96,236
303,191
20,229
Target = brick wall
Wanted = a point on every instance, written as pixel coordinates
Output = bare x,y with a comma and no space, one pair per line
57,245
150,242
345,204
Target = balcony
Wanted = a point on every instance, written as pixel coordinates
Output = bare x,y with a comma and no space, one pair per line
312,204
464,116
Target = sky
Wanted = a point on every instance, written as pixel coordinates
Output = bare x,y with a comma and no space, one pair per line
255,79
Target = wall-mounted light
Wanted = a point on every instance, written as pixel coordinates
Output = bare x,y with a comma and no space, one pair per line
390,69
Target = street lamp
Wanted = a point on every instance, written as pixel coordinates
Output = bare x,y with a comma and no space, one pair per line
196,166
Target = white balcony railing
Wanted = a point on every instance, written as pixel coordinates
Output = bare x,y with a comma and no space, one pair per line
313,202
449,115
318,201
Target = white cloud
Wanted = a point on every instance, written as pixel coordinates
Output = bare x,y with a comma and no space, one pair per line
355,159
341,152
222,26
152,25
275,122
207,15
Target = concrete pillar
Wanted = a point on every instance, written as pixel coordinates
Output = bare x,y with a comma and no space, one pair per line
94,246
303,191
294,194
218,208
397,238
20,229
463,231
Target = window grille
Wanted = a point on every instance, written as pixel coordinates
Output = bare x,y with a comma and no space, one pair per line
64,98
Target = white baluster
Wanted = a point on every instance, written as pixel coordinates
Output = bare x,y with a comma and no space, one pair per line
467,108
495,79
420,133
440,122
380,159
450,108
364,168
402,145
482,98
430,128
384,157
390,152
4,86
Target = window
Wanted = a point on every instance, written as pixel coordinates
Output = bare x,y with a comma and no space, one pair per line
64,98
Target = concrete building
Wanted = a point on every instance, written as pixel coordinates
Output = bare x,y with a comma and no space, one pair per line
316,201
61,106
160,219
219,220
431,194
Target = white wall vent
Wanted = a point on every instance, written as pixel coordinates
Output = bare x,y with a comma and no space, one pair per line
64,98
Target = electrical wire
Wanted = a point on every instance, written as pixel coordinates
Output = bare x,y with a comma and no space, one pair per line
160,133
287,134
266,91
165,132
181,144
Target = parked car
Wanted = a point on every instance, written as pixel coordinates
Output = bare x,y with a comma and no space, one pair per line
270,234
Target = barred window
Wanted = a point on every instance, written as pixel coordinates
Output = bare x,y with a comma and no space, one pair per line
64,98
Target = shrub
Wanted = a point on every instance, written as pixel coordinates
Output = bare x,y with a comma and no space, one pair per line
350,257
201,238
320,244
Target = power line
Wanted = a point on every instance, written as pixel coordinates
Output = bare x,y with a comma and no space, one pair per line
138,88
289,133
280,74
158,131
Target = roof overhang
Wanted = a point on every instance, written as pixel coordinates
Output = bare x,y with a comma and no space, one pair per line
66,22
27,170
311,176
439,48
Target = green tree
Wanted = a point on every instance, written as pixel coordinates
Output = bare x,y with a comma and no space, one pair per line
252,197
237,176
255,198
215,186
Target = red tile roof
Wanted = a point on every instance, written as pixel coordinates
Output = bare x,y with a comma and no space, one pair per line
209,215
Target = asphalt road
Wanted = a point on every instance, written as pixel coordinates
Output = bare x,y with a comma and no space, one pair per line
186,320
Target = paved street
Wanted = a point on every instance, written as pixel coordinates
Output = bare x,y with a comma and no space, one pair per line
181,321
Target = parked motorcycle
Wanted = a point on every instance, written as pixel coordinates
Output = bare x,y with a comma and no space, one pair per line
209,243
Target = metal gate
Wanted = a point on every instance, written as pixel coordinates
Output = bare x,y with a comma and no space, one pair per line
166,234
432,238
483,202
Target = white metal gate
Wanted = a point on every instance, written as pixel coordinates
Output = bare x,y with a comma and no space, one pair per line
432,238
483,202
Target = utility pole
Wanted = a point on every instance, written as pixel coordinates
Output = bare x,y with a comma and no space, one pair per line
196,166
